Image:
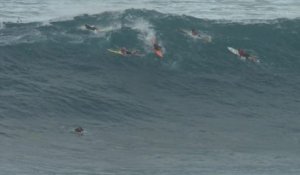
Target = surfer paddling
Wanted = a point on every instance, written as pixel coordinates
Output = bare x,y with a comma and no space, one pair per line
125,52
157,49
243,53
90,27
79,130
195,32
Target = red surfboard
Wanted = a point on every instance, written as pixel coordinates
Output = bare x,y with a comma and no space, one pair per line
159,53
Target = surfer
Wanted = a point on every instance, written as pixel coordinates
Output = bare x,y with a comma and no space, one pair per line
125,51
157,49
195,32
156,46
243,53
79,130
89,27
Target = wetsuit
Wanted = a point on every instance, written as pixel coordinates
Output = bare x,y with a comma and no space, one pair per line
242,53
126,52
90,27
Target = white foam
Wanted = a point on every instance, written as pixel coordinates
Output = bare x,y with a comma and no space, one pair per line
146,33
145,29
25,37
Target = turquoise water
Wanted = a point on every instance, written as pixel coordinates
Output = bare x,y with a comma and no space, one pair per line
200,110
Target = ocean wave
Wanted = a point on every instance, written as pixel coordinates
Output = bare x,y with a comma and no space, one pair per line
199,106
275,42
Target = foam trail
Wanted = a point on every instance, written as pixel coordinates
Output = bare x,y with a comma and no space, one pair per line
146,33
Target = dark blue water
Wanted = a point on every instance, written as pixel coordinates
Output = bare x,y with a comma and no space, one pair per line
200,110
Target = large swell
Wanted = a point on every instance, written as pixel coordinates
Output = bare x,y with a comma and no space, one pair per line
233,10
200,110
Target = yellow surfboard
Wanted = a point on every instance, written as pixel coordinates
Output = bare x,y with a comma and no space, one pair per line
116,51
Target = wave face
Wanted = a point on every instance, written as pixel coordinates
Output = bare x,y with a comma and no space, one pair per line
199,110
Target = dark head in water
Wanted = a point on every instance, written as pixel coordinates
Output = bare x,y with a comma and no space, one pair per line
79,130
156,46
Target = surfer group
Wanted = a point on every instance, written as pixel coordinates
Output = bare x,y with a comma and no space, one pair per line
158,49
124,51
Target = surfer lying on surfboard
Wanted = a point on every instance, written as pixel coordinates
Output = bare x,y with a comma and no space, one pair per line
125,52
90,27
196,34
157,49
243,53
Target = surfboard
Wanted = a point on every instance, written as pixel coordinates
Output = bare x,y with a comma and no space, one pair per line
159,53
116,52
250,58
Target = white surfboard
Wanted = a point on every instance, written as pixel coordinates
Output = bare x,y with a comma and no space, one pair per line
236,52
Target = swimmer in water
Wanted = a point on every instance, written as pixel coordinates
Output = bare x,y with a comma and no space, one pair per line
79,130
